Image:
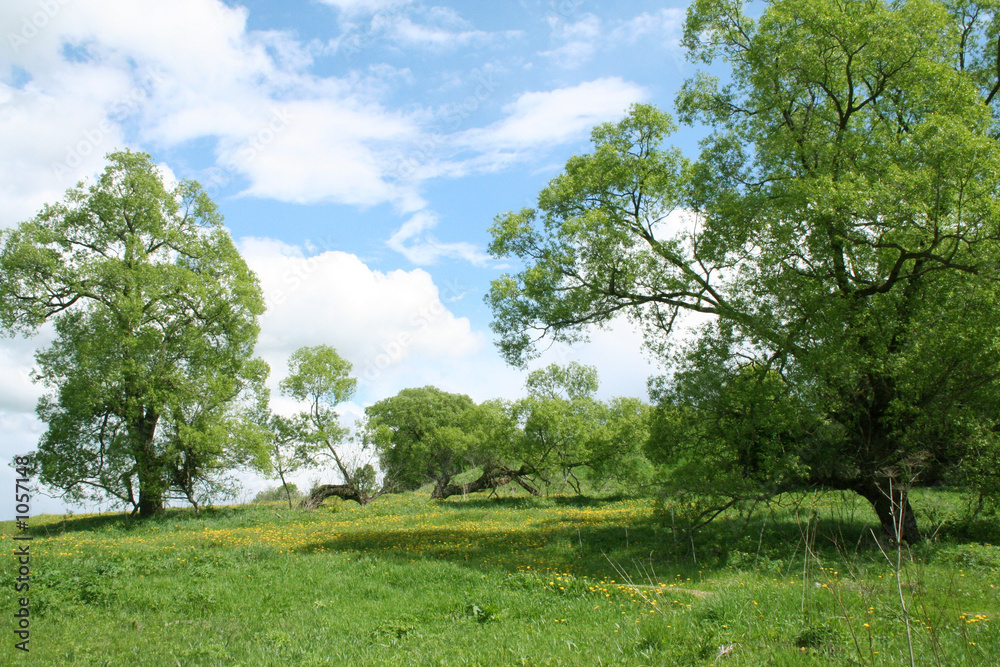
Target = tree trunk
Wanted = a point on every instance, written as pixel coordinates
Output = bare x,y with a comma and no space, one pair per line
284,485
149,467
892,506
492,478
150,503
345,491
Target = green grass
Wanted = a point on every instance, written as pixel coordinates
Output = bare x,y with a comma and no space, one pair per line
508,581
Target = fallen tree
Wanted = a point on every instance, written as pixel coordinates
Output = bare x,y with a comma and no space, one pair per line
493,477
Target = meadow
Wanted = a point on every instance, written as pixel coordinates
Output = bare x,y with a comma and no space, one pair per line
561,580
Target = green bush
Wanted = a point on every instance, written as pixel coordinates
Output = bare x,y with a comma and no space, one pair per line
273,493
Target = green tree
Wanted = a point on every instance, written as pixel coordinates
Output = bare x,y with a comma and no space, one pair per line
840,228
320,378
212,428
564,428
423,434
155,315
288,453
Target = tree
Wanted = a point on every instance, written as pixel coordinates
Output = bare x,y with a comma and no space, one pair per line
428,435
840,230
214,428
288,453
155,314
564,428
423,434
320,377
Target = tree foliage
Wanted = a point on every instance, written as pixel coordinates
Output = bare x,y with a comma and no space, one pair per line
151,373
840,228
319,377
564,428
424,434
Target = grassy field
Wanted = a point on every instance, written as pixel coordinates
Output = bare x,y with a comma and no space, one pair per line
507,581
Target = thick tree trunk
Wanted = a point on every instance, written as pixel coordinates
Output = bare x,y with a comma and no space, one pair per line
892,506
492,478
345,491
149,467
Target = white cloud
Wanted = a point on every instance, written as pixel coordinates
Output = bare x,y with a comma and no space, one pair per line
107,75
365,6
414,242
579,40
538,119
18,394
386,324
617,352
311,151
664,26
409,33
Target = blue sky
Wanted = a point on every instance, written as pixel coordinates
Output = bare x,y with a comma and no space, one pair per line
358,149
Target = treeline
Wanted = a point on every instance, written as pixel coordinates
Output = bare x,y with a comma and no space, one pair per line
556,434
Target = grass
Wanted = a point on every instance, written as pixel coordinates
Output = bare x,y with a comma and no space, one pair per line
508,581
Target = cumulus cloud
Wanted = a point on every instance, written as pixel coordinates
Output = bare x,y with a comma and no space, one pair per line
100,76
386,324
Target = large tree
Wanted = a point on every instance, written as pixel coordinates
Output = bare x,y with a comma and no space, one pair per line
839,230
155,315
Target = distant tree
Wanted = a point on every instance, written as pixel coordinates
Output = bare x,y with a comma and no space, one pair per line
423,434
155,315
320,378
564,428
288,452
277,493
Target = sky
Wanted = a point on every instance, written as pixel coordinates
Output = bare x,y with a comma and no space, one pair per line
359,150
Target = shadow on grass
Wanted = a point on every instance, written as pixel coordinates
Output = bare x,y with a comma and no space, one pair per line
55,524
563,548
534,502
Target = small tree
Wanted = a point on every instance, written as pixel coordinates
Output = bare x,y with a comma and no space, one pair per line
565,428
320,377
288,452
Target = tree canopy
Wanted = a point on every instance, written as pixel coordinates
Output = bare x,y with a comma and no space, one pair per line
423,434
839,228
564,428
152,370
